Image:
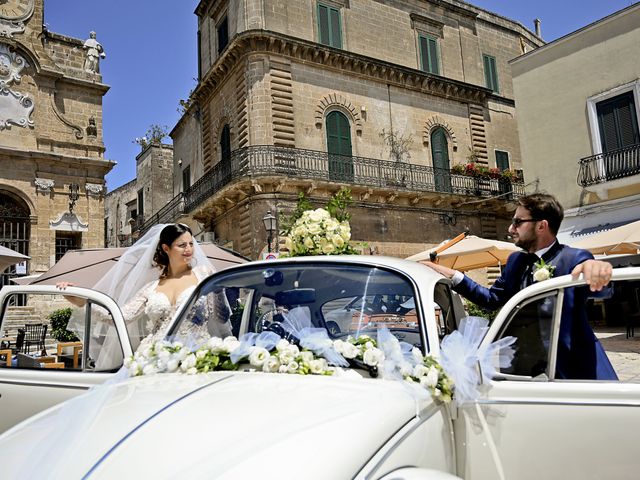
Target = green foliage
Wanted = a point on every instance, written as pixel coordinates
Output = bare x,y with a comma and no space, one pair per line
286,221
155,134
477,311
59,320
339,203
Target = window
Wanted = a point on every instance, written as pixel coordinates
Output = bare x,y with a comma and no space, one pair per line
66,241
617,122
429,54
490,73
141,202
223,34
502,160
186,178
329,26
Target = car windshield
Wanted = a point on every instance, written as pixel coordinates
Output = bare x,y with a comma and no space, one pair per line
344,299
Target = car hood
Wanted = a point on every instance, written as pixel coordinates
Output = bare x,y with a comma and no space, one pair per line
227,425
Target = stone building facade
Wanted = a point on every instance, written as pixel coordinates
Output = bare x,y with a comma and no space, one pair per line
52,179
128,206
381,97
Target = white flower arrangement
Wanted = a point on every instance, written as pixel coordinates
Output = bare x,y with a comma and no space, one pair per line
316,232
542,271
215,355
285,357
429,374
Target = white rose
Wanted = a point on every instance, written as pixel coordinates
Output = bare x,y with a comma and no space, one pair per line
258,356
337,241
292,367
282,345
350,350
285,356
417,355
149,369
272,365
345,231
314,228
432,377
541,274
420,370
192,371
172,365
306,356
215,344
230,344
201,353
308,242
318,366
188,362
328,249
368,345
373,357
405,369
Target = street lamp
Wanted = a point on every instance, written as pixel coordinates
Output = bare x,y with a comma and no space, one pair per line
270,225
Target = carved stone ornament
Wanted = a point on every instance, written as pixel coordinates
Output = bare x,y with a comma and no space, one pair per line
13,14
44,185
68,222
11,64
15,108
94,189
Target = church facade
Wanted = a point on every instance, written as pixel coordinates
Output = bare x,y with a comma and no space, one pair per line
52,175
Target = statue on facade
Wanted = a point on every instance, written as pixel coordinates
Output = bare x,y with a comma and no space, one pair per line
94,53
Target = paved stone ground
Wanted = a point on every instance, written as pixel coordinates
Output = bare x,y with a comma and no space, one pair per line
623,352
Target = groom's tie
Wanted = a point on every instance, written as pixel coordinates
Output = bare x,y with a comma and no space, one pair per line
527,275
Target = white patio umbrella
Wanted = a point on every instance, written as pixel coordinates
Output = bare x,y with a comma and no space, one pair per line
623,239
10,257
470,252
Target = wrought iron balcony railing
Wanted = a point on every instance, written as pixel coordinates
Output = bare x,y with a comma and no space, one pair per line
605,167
269,160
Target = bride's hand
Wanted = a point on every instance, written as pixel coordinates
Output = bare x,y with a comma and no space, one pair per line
78,302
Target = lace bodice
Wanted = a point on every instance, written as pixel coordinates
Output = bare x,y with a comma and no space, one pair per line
149,313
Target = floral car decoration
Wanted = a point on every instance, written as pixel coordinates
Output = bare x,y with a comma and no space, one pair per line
282,356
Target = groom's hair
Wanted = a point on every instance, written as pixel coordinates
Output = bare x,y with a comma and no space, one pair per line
543,206
167,236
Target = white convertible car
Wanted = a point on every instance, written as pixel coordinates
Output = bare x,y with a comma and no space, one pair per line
248,424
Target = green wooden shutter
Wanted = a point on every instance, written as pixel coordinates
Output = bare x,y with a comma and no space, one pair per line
502,160
339,147
440,155
323,24
336,36
617,122
490,73
429,54
329,26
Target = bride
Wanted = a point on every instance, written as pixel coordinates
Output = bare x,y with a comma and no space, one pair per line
150,281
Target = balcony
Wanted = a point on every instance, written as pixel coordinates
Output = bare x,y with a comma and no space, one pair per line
616,166
272,161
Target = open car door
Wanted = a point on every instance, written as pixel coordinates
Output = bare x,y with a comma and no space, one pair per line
37,370
528,424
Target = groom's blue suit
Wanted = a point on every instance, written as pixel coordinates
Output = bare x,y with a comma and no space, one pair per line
580,354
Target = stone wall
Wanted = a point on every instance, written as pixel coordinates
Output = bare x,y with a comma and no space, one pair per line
52,140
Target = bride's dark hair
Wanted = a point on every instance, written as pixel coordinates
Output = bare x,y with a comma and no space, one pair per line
168,235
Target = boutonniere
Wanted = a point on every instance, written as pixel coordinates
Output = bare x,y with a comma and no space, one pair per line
542,271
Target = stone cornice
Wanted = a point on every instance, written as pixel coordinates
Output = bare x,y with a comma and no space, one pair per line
266,42
59,157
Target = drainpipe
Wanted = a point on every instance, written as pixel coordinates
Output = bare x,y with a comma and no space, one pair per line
536,24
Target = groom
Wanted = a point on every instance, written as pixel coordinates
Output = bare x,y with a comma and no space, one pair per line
534,228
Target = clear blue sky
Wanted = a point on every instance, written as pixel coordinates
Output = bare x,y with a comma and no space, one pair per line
151,55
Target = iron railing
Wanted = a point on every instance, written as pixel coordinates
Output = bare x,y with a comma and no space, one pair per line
605,167
269,160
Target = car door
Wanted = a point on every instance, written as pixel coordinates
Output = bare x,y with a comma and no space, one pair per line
529,425
33,379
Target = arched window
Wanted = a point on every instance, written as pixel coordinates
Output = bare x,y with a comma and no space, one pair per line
440,156
14,231
339,147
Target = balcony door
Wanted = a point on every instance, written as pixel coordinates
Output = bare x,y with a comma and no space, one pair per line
225,154
618,126
440,156
339,147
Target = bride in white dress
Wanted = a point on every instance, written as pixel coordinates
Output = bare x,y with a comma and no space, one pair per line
150,282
